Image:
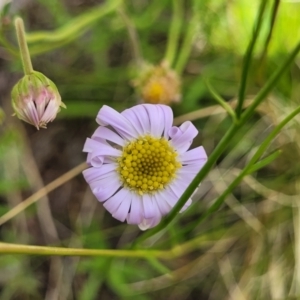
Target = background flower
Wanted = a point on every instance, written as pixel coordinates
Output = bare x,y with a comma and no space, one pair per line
158,84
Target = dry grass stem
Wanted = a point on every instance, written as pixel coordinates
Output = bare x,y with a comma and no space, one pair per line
42,192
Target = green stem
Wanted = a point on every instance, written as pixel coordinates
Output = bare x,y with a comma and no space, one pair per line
221,101
249,168
221,147
25,56
76,26
271,28
270,84
47,40
7,248
248,57
174,31
262,148
176,251
188,42
133,36
265,161
219,201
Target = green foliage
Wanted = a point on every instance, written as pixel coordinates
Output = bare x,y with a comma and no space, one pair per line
240,238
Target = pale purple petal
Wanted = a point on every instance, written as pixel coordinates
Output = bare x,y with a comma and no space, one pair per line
156,117
106,187
109,160
31,114
161,118
168,119
107,134
113,203
183,141
163,206
190,169
50,112
149,206
100,149
149,223
172,199
139,118
105,181
96,160
93,174
177,188
41,103
123,210
174,132
136,210
88,159
169,196
108,116
194,156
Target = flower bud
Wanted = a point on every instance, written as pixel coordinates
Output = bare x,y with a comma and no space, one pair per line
35,100
158,84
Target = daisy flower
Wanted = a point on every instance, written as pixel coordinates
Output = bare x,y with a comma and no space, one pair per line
139,164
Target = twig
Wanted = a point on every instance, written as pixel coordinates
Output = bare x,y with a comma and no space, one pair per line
42,192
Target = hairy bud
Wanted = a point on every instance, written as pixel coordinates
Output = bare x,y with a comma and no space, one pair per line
36,100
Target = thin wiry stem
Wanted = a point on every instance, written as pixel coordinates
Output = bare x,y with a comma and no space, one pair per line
42,192
176,251
25,56
271,28
174,31
252,163
270,84
7,248
187,42
221,147
133,36
221,101
248,57
43,41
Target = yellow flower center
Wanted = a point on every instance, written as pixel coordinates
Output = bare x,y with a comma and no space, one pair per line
148,164
154,92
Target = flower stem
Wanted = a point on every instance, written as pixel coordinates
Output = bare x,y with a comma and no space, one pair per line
47,40
187,42
252,166
176,251
270,84
7,248
133,36
271,29
42,192
174,31
221,147
221,101
248,58
25,56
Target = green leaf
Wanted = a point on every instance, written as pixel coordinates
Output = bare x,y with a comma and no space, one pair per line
264,162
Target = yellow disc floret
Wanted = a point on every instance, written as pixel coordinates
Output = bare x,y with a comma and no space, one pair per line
148,164
154,92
